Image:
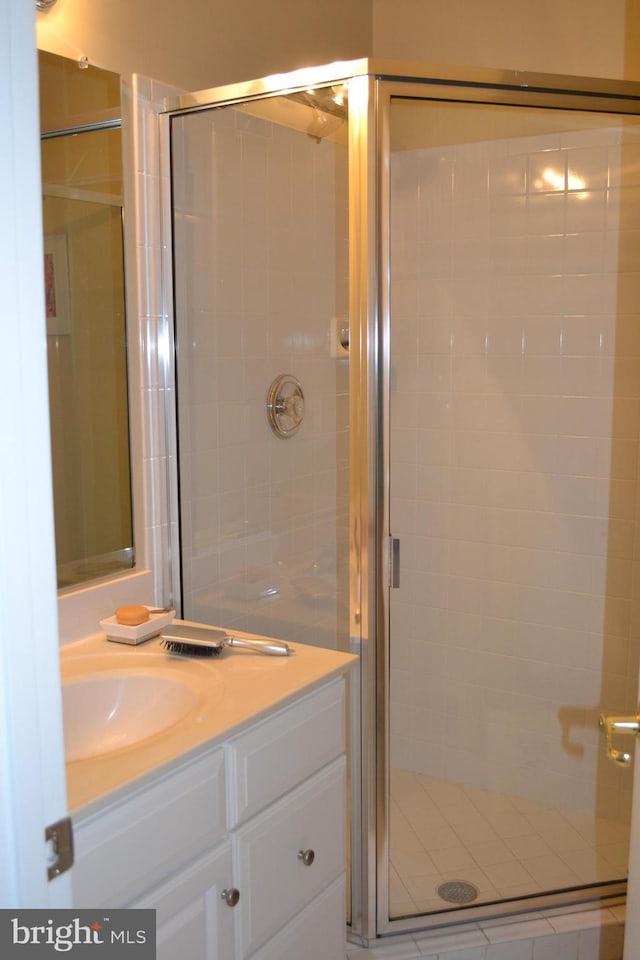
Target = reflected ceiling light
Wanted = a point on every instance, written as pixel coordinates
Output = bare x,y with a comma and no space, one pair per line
44,4
556,180
576,183
553,178
337,95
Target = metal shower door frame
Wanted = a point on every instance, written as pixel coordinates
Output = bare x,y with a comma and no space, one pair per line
480,87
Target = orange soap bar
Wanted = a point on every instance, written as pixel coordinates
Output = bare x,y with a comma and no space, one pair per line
132,615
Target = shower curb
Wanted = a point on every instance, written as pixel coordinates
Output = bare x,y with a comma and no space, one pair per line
574,935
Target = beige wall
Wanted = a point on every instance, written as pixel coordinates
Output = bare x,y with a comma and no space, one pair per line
202,43
584,37
217,41
632,40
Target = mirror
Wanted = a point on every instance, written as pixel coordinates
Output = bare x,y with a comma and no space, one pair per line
85,307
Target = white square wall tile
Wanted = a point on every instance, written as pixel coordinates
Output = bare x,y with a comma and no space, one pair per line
521,930
468,953
581,920
406,950
605,943
547,171
450,945
588,168
559,946
520,950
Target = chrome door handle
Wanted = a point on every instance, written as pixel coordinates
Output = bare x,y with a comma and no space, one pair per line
609,725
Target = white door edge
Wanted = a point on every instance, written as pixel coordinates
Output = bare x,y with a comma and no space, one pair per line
632,914
32,775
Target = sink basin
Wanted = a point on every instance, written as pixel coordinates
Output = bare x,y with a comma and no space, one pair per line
105,712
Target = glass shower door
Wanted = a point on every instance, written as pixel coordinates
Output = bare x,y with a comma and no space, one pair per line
260,222
514,419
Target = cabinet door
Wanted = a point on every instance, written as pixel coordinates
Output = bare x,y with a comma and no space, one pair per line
193,921
317,933
274,881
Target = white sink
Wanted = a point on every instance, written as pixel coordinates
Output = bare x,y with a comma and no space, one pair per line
105,712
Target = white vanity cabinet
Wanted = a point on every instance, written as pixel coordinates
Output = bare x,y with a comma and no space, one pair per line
259,819
287,810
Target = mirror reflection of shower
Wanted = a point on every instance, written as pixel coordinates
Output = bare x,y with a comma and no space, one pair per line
81,163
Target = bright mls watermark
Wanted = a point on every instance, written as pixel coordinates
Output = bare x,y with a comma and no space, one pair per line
78,933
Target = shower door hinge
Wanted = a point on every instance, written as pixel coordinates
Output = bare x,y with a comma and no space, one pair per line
60,836
393,564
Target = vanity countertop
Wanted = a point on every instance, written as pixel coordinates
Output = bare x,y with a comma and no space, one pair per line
231,691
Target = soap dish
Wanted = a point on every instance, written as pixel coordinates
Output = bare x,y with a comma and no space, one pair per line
121,633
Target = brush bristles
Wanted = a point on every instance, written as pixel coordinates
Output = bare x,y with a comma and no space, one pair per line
191,649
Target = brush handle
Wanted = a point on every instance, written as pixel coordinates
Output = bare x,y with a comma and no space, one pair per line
277,648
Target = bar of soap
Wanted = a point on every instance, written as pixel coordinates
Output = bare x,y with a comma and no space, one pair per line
132,615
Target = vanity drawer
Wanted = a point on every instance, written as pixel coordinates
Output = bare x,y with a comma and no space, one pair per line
280,753
147,836
274,882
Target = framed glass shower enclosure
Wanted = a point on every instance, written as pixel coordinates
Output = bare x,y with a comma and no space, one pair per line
444,270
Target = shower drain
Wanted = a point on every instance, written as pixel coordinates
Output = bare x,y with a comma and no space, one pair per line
457,891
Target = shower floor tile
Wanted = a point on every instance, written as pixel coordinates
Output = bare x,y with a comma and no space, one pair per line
505,846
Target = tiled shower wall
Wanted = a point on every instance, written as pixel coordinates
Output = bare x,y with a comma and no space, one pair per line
515,393
261,290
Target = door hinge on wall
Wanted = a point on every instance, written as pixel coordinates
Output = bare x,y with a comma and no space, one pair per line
60,836
393,561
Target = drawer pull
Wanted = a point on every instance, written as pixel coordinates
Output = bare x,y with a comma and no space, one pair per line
307,857
230,896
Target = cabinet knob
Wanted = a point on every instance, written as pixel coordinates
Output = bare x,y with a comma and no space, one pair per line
307,857
230,896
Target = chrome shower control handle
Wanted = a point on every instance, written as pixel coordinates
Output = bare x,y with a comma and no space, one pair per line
610,724
307,857
291,407
285,405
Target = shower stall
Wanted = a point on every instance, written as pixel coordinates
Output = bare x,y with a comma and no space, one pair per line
408,411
